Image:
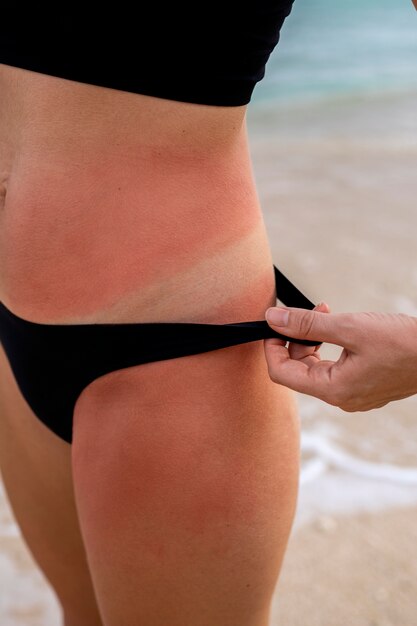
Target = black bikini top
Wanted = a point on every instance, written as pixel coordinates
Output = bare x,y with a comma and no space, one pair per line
207,53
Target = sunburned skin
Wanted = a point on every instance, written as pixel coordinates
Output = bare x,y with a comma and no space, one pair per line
155,502
179,490
105,216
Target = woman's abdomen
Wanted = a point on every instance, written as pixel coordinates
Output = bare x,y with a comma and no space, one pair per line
123,208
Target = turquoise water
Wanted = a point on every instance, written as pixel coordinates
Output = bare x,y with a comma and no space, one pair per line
343,48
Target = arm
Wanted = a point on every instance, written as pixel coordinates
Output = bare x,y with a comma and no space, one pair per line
378,363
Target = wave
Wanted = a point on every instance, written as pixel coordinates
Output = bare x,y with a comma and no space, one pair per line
328,455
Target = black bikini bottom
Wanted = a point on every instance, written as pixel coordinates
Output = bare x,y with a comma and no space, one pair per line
53,363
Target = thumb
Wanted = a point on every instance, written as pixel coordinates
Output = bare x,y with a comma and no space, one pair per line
336,328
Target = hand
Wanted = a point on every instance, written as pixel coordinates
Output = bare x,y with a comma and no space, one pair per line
378,363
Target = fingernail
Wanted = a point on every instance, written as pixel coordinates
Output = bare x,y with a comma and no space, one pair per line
278,317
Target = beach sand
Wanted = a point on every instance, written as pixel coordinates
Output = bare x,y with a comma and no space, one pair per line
338,188
351,571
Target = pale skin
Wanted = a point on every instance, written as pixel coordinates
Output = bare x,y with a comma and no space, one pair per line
378,363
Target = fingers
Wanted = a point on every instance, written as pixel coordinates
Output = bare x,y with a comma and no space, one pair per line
339,329
299,367
298,351
308,376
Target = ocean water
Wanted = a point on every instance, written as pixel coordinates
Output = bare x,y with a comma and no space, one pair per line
354,49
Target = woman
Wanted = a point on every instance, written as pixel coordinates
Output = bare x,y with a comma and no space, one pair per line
128,197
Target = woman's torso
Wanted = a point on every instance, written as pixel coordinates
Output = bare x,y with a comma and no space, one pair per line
122,207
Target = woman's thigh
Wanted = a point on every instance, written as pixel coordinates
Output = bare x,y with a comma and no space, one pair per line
36,470
185,471
186,475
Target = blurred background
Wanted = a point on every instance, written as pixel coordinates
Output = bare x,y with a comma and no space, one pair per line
333,129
